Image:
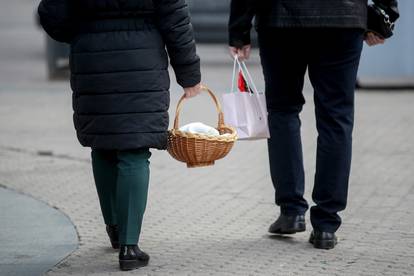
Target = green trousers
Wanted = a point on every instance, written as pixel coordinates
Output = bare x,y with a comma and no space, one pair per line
122,179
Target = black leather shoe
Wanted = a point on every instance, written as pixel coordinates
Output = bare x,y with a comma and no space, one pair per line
113,235
131,257
288,225
323,240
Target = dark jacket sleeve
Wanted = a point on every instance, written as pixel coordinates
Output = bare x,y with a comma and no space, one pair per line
390,7
58,19
174,23
240,22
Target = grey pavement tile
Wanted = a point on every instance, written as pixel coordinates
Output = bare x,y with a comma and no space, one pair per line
210,221
213,221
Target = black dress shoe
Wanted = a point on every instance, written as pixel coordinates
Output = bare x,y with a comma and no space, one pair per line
113,235
131,257
323,240
288,225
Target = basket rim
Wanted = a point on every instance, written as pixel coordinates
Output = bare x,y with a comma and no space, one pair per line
229,138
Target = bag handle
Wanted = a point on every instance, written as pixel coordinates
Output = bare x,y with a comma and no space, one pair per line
233,78
216,102
249,78
246,74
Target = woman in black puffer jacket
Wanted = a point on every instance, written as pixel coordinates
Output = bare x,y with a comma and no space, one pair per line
120,86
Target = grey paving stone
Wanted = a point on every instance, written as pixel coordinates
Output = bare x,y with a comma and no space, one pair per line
213,221
210,221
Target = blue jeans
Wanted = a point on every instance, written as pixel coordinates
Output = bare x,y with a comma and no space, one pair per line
331,57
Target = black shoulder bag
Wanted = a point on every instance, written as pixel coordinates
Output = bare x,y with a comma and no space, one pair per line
379,22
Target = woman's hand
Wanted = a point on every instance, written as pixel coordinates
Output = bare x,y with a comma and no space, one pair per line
243,53
192,91
372,39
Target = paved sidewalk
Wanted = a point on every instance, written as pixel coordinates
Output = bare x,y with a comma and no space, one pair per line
213,221
34,236
209,221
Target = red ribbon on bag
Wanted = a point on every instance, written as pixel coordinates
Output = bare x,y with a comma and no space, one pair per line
241,83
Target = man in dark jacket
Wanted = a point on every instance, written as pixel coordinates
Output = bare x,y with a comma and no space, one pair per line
325,38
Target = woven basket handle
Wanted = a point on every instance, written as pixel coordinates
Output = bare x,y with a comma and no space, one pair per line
217,103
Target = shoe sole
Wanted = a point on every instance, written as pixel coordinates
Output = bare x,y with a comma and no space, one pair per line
115,245
295,228
126,265
323,244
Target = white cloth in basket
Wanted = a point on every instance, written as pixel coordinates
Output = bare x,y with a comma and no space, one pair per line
200,128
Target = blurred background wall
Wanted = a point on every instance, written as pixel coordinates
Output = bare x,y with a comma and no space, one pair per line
388,65
392,64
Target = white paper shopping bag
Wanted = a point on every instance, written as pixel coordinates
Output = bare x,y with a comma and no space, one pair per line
246,110
234,116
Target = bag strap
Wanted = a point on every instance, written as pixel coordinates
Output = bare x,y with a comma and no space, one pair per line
233,78
250,82
234,75
246,75
249,78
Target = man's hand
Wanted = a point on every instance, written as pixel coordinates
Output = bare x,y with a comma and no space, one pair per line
192,91
372,39
243,53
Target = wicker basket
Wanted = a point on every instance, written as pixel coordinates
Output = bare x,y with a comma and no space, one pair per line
199,150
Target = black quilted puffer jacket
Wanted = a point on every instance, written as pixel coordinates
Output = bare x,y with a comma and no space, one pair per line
299,14
119,64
